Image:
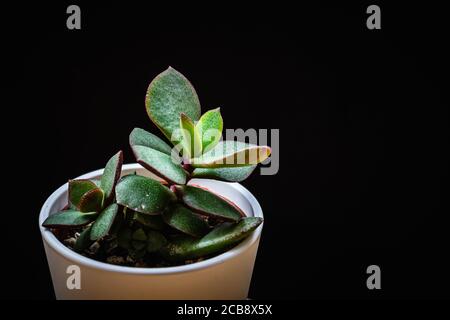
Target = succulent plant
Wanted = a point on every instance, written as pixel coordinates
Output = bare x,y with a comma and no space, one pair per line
165,219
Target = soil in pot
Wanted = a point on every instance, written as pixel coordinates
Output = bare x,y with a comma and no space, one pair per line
109,249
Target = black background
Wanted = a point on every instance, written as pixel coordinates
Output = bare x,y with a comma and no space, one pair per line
363,125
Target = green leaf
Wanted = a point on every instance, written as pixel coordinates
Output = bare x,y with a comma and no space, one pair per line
154,222
192,143
84,241
103,223
160,164
139,235
210,128
205,202
69,218
184,220
110,175
234,174
143,194
232,154
140,137
168,95
155,241
92,201
118,222
77,188
218,240
97,182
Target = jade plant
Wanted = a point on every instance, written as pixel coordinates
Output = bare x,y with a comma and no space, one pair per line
158,219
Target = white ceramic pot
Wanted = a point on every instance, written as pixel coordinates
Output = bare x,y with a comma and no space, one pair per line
226,276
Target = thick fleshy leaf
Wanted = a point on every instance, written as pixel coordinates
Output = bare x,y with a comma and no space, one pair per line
104,221
118,222
210,128
168,95
143,194
84,241
154,177
139,235
77,188
153,222
110,175
218,240
192,143
232,154
69,219
160,164
186,221
97,182
140,137
205,202
233,174
92,201
155,241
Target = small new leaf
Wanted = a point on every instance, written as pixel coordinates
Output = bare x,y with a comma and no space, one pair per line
155,241
77,188
139,235
210,128
192,142
111,174
92,201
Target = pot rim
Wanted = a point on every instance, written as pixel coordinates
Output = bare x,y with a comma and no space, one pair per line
79,259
